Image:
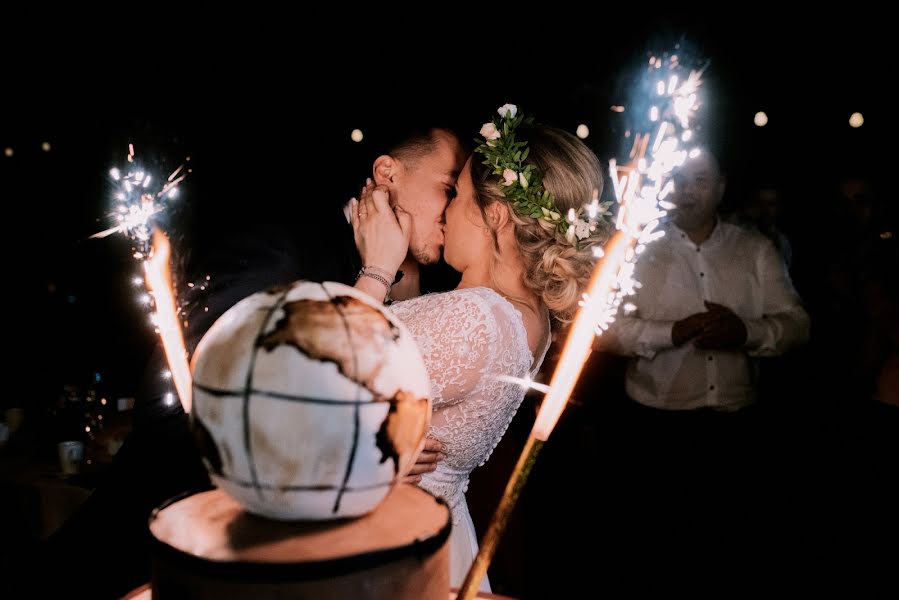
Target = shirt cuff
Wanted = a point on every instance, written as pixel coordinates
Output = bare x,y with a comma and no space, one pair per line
755,333
657,335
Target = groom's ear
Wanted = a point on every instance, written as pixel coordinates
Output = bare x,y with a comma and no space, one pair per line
384,169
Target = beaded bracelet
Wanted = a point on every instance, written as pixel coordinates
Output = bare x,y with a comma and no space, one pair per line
376,274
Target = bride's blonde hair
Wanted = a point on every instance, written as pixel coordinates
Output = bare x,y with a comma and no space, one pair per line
557,267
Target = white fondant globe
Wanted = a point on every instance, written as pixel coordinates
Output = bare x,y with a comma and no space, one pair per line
309,402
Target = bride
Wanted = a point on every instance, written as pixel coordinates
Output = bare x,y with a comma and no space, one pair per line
521,233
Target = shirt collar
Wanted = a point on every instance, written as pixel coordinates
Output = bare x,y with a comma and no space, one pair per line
680,234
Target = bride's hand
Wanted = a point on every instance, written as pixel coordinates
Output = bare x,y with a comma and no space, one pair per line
382,234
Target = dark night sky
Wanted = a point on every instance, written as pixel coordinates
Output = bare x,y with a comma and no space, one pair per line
265,112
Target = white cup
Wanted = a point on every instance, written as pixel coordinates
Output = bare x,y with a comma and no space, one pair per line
70,456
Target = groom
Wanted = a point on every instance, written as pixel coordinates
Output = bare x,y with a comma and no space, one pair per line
158,461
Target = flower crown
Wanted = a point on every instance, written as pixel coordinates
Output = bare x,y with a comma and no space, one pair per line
522,183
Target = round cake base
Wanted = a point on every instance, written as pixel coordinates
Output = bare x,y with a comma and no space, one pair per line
207,546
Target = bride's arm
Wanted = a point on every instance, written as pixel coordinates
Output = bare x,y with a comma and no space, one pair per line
382,238
458,335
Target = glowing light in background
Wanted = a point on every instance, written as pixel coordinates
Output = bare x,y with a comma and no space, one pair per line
760,119
856,120
356,135
582,131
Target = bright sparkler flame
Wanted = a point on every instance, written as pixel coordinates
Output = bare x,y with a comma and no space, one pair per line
159,282
525,382
580,339
137,204
640,188
637,192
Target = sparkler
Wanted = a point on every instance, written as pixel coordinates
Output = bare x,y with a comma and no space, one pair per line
640,190
140,201
159,281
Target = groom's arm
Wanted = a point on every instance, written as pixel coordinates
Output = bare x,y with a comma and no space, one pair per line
427,461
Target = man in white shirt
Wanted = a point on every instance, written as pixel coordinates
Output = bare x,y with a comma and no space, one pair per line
697,473
714,298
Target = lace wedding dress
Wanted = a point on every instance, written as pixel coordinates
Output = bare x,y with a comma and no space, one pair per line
469,338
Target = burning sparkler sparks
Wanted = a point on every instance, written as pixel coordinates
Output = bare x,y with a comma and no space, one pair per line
640,189
140,200
160,283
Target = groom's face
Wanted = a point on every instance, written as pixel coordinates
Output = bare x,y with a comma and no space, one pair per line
424,187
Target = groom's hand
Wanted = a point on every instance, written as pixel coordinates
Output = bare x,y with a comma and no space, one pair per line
432,453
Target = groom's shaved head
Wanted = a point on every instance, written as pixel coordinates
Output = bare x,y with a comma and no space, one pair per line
416,144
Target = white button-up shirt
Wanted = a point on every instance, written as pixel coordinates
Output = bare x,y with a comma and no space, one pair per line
736,268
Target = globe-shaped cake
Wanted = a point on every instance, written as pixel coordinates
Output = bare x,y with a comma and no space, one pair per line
309,402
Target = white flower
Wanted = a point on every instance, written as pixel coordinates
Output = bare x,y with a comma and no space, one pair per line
522,181
581,229
509,176
507,108
569,235
488,130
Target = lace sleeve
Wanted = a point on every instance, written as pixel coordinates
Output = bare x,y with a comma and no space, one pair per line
457,333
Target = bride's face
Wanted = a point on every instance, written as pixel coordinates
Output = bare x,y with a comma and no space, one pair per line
467,237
